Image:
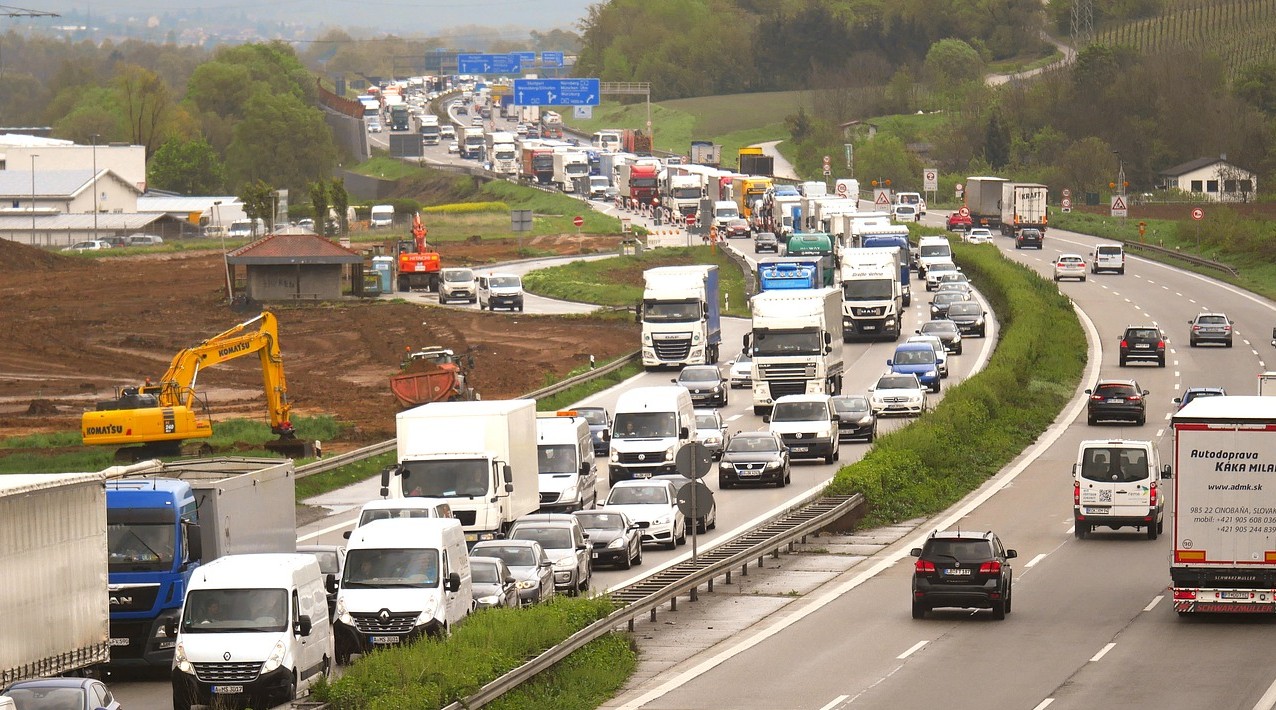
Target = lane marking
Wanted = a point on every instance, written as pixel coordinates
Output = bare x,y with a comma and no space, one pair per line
835,702
1102,652
735,417
1152,604
1044,704
325,531
1035,560
914,649
1268,701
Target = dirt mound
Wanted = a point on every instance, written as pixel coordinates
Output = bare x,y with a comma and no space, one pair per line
20,257
41,408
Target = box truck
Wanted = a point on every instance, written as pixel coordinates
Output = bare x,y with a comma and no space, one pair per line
680,315
796,341
1023,206
983,199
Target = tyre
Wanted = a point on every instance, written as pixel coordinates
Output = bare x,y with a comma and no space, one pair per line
1056,278
788,477
638,559
959,349
919,610
629,559
1160,527
1152,532
682,539
983,332
482,307
1229,342
1121,271
1010,597
1160,362
999,609
935,387
1081,530
723,485
1192,342
1122,361
871,435
830,457
1082,281
520,308
584,583
1142,420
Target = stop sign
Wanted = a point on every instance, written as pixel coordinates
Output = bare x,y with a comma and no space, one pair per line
578,220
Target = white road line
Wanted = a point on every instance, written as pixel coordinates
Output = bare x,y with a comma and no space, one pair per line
1168,415
1035,560
325,531
1102,652
1176,384
1152,604
1191,300
835,702
1159,433
735,417
1180,295
1268,701
1044,704
915,648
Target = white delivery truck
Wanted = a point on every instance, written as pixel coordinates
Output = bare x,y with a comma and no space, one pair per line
1224,513
797,344
569,166
567,467
872,296
403,579
53,542
1023,206
430,130
381,216
478,456
502,151
680,315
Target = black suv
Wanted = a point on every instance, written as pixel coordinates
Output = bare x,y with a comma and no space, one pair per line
962,569
1143,343
1116,399
1029,237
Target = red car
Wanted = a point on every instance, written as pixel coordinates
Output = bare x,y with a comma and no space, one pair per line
958,221
736,228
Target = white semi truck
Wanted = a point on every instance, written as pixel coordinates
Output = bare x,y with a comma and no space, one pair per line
872,296
478,456
1023,206
796,341
53,553
569,166
502,152
681,316
1224,514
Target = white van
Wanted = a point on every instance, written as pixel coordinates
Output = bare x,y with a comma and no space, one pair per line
381,216
912,198
500,291
808,425
568,470
1115,484
253,627
724,211
650,426
931,250
403,579
1108,257
401,508
458,284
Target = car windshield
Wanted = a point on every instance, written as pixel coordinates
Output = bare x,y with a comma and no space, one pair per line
454,478
505,282
639,495
381,568
645,425
375,514
707,421
1109,251
46,698
511,555
1114,464
850,404
601,521
949,296
939,327
556,458
329,562
940,268
224,611
799,411
958,549
697,374
965,309
485,573
458,275
915,357
1211,320
596,417
897,383
753,443
550,538
1143,334
931,250
1109,391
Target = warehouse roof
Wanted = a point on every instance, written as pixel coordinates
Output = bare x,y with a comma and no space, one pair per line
293,245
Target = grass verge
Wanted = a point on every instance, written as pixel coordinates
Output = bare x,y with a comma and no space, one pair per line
618,281
986,421
432,673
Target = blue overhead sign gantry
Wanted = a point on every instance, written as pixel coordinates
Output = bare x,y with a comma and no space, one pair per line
488,64
551,60
556,92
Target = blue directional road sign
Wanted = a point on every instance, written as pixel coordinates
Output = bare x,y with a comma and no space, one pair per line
551,59
556,92
526,58
488,64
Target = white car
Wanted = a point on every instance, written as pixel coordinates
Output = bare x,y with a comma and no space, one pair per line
904,213
937,270
453,147
978,235
90,245
897,394
654,503
711,431
374,126
741,371
941,354
1069,266
447,131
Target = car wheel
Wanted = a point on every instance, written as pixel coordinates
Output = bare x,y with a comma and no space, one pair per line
999,609
584,583
871,435
482,307
723,485
759,411
1229,342
1083,278
1160,362
1122,362
935,387
1142,420
959,349
1192,342
1121,271
1056,278
1152,532
1010,597
1081,530
629,559
1160,527
638,559
1090,420
919,610
682,539
829,457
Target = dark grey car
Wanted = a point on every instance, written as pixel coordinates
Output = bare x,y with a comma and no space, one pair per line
855,418
527,561
754,457
705,384
765,241
599,420
617,539
493,584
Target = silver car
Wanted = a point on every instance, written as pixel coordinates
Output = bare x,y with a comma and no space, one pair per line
741,371
527,561
493,583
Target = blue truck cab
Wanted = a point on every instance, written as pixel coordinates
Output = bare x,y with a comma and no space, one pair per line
153,546
818,245
917,359
785,273
895,240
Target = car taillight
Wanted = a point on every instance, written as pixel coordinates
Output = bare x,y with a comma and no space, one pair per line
1124,344
1152,494
1076,493
1160,345
993,567
924,567
1196,327
1097,397
1135,397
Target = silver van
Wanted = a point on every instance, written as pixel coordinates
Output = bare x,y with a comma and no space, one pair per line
500,291
1108,257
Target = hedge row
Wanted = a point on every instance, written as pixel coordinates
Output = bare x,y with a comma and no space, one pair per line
985,422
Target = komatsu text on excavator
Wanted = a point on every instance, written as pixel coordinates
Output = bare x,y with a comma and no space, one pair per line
153,420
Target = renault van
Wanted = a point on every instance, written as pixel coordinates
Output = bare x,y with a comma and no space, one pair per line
404,579
500,291
651,425
1115,485
567,466
254,630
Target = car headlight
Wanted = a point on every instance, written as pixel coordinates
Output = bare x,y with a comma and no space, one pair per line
712,440
669,453
726,465
180,661
615,457
772,464
342,615
276,657
932,372
616,544
717,388
865,420
489,601
646,338
979,320
527,584
822,433
567,495
664,520
565,564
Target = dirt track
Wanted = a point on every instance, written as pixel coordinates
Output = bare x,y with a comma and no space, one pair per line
77,328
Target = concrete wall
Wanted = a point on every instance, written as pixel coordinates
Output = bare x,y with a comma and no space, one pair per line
365,187
288,282
349,134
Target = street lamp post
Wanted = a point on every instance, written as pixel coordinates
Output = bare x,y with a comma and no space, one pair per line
230,289
33,157
95,208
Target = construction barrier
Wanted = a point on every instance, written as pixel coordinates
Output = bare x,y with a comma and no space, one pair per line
666,237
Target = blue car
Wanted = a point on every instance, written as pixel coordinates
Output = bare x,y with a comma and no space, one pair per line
917,359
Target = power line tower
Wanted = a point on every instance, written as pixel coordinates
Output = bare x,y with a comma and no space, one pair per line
1082,23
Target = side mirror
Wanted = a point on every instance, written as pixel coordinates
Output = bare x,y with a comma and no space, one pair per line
1146,393
1011,554
509,488
915,552
346,534
606,436
890,362
674,380
510,580
584,469
684,433
453,582
546,563
766,418
194,542
1089,391
828,337
1167,472
330,583
385,479
303,626
507,473
1177,400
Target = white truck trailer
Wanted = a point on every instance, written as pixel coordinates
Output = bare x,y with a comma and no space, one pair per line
478,456
797,345
872,295
53,545
681,316
1223,558
569,166
1023,206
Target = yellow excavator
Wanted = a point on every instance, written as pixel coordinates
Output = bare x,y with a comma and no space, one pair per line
152,420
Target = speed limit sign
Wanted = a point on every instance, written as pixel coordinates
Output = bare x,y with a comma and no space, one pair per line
841,189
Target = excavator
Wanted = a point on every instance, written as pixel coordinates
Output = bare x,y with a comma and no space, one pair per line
153,420
417,263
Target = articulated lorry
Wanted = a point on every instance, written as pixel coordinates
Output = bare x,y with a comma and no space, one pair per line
639,182
53,541
166,520
983,200
430,129
872,296
892,237
790,273
478,456
537,163
681,316
1223,559
502,152
753,161
683,191
797,346
569,166
818,245
1023,205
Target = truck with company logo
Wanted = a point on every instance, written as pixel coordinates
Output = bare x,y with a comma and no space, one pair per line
748,192
872,297
1023,206
1223,518
818,245
797,346
896,237
680,314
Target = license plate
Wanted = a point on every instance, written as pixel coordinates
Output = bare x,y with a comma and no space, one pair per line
749,474
595,555
1233,595
1142,346
644,474
1116,401
383,640
870,327
1097,511
799,449
471,537
117,642
957,572
228,689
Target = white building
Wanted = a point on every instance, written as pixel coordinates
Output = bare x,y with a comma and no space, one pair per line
66,192
126,161
1212,179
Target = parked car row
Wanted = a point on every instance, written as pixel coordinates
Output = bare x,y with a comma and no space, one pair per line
134,240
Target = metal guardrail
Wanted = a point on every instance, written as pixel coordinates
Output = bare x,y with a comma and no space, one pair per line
647,595
366,452
1174,253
